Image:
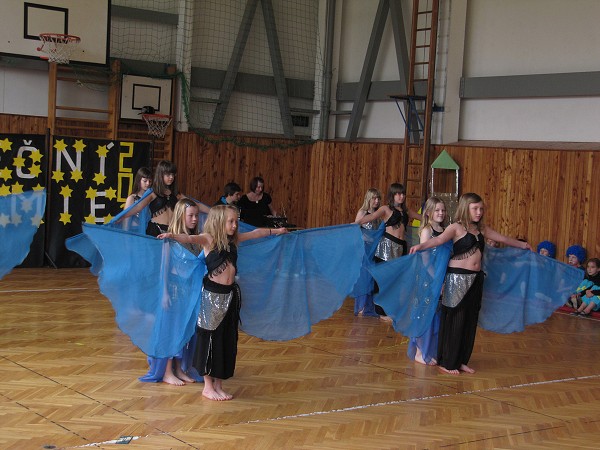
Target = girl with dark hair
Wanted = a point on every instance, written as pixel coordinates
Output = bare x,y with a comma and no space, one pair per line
162,199
141,183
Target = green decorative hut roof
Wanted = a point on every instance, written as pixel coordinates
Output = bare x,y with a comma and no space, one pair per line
444,161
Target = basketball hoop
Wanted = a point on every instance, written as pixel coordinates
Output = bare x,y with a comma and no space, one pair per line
58,47
157,124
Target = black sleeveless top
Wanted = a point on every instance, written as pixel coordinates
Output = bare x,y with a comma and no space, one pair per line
468,245
216,262
161,203
398,217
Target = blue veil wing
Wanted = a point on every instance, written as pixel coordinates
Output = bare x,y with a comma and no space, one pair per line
135,224
291,282
410,287
20,218
523,288
364,284
154,287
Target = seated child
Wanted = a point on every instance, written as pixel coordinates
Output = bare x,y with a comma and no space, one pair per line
547,248
576,256
587,297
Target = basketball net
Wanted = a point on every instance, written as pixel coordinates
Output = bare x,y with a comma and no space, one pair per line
157,124
58,47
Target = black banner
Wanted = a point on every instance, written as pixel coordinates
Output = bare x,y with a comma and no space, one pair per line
23,167
89,182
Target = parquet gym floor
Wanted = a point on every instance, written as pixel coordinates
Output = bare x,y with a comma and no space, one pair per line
68,379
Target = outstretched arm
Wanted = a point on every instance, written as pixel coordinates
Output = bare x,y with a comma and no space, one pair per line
141,205
379,214
202,239
261,232
448,234
490,233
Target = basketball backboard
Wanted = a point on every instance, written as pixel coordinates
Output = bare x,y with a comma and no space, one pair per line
21,22
137,92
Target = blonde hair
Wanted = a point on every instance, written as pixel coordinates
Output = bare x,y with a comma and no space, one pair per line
370,195
428,209
215,226
177,225
462,215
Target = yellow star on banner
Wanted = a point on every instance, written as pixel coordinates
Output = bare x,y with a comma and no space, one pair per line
16,219
110,193
5,173
60,145
79,145
4,220
57,175
4,190
66,191
18,161
65,218
91,193
36,156
90,219
17,188
36,220
107,219
99,178
5,145
102,151
35,170
76,175
39,187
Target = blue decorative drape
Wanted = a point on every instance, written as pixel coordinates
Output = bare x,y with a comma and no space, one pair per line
521,288
288,283
20,217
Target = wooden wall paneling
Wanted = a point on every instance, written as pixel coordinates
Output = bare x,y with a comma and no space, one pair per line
14,124
528,193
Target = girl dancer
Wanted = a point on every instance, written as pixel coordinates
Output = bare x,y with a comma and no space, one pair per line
169,370
217,328
424,348
463,288
141,183
162,199
364,303
396,215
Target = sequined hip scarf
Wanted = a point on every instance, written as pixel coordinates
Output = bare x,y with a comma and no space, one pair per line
456,285
390,247
214,304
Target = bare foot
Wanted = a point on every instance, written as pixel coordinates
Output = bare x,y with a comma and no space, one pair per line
419,357
212,394
432,362
172,379
218,386
183,376
450,372
465,368
386,318
224,394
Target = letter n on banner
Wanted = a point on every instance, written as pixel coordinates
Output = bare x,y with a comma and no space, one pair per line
90,180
